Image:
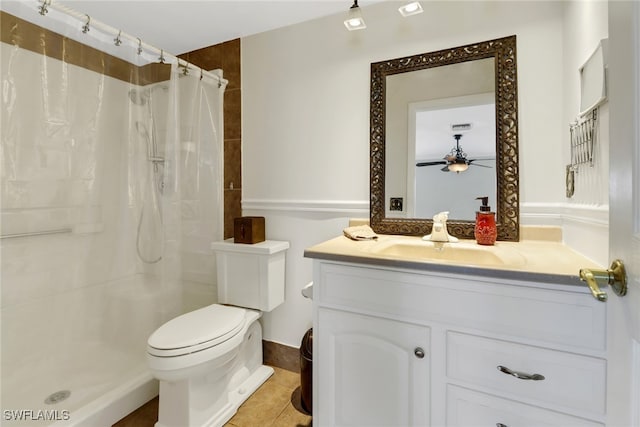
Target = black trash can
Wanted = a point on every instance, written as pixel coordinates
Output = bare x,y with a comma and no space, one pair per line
306,370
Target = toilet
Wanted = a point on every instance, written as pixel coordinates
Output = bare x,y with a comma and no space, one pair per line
209,361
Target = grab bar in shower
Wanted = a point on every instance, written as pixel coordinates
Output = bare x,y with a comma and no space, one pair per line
36,233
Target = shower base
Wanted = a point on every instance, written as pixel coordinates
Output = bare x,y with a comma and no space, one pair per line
103,386
84,351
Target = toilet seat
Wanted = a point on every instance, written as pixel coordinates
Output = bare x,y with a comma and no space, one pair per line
196,331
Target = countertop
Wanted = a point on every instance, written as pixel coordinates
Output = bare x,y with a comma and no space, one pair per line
533,260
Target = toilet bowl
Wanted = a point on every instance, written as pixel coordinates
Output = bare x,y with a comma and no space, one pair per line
205,375
209,361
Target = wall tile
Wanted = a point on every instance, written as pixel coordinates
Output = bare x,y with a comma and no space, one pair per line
232,209
232,164
209,58
232,114
231,63
226,56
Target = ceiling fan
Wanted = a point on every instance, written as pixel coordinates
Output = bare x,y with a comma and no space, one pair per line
455,161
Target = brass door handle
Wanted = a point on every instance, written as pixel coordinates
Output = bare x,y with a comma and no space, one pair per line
616,276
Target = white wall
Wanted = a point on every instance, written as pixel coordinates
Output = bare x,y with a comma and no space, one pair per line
586,224
306,119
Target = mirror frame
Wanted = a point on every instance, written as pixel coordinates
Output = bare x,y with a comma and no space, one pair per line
503,50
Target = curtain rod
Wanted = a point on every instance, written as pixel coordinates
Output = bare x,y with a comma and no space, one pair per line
44,6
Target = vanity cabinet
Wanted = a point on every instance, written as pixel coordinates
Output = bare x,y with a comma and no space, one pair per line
400,346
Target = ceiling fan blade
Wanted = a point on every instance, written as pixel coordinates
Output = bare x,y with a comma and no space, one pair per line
470,163
482,160
430,163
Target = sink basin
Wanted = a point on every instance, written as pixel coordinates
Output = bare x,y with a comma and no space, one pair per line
458,253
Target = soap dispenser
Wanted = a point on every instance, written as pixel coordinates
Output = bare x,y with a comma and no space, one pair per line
485,231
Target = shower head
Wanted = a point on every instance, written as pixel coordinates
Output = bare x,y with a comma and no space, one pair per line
138,97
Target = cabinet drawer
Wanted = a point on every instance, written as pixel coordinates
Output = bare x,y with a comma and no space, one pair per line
467,408
545,315
570,380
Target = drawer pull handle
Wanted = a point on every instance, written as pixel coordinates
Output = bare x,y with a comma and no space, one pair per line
521,375
419,352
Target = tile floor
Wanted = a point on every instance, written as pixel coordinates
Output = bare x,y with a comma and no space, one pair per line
275,404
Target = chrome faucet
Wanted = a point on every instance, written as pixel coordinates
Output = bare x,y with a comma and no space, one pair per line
439,231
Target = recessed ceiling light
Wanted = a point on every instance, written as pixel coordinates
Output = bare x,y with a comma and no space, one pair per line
411,8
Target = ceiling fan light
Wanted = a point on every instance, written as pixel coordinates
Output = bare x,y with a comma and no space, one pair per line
458,167
411,8
355,21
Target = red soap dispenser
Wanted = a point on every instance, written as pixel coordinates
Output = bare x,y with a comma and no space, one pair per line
486,231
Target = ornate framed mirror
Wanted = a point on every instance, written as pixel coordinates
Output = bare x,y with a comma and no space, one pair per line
462,99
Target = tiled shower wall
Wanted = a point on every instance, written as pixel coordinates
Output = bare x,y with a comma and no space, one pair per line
226,56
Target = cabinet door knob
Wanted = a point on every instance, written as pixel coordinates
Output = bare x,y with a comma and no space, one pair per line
419,352
521,375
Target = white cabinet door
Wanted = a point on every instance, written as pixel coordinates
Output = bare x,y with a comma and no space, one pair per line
374,372
623,386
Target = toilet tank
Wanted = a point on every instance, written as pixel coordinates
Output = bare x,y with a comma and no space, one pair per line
251,275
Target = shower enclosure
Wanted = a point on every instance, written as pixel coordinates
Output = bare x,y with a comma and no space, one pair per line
111,195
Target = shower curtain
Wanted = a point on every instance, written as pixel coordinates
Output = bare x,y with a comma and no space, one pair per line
111,194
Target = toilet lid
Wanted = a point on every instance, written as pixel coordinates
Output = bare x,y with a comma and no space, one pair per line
197,330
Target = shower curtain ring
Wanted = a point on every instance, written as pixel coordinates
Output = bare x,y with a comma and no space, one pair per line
43,9
118,41
85,27
139,46
185,68
161,59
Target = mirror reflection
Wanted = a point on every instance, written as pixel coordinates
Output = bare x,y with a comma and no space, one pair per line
430,133
444,132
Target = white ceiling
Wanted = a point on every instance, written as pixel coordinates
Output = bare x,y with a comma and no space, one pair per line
434,136
180,26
